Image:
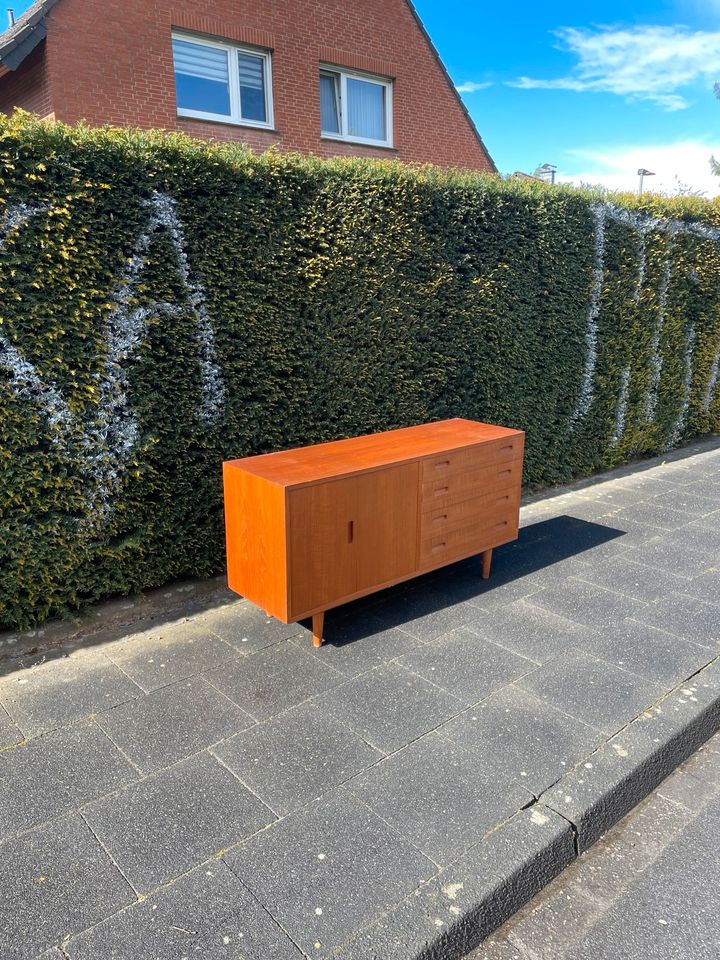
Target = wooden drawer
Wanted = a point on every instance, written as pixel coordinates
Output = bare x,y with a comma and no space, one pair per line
476,481
470,458
442,520
474,535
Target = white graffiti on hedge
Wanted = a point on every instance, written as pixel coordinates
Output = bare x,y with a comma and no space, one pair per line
17,216
586,388
656,358
712,383
621,411
687,386
602,212
112,433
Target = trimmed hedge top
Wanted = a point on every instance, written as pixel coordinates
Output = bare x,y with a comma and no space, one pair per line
166,304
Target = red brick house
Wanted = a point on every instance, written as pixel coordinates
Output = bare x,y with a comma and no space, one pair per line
327,77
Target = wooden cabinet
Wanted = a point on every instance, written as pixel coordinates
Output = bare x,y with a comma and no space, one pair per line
312,528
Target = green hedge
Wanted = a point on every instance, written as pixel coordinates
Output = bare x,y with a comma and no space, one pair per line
166,304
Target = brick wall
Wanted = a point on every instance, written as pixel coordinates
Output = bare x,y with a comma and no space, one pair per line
28,86
112,63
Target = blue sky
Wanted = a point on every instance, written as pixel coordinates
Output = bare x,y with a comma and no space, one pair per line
598,89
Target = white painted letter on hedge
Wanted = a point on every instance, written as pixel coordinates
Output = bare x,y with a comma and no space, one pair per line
111,435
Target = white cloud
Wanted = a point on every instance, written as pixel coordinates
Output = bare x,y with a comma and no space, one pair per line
638,63
471,87
686,162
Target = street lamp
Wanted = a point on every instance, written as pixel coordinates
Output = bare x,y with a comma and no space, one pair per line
642,172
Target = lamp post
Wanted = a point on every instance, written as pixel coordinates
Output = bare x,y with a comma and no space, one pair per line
642,173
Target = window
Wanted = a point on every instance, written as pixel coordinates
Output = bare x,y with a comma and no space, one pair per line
217,81
355,107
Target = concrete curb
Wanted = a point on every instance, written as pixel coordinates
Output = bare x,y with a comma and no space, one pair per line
599,792
454,912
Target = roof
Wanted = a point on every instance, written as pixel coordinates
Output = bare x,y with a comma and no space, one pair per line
24,35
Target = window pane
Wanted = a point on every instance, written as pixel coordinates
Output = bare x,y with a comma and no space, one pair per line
202,78
252,87
366,109
329,103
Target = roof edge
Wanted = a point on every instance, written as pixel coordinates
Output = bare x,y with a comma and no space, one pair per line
449,79
25,34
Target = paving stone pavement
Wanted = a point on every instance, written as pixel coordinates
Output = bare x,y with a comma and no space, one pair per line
215,787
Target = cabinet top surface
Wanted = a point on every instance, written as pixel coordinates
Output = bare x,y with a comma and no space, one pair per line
341,457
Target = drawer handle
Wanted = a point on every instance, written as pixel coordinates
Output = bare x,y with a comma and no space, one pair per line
499,526
439,491
508,446
442,463
504,473
351,531
441,519
503,499
438,546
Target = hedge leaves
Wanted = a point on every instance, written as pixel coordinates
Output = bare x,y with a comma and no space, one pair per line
166,304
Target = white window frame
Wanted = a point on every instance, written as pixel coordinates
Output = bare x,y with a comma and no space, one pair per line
235,119
343,73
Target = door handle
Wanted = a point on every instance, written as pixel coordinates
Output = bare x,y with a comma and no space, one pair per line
351,531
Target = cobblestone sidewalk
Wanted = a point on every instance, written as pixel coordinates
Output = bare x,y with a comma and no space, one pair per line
216,788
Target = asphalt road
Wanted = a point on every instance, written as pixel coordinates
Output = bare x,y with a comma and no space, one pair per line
649,890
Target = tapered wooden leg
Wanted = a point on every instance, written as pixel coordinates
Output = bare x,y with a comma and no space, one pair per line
318,624
486,561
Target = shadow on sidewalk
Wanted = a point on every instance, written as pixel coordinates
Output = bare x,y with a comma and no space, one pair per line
539,546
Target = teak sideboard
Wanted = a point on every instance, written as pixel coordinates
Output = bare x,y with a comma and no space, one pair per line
312,528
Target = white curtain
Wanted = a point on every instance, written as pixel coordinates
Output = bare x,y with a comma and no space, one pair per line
366,109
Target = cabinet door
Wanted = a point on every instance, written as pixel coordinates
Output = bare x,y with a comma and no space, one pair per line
386,526
348,536
321,548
